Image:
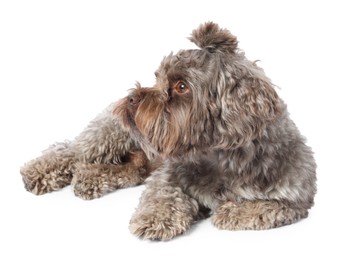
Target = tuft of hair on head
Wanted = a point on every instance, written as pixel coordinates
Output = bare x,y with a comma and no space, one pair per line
211,37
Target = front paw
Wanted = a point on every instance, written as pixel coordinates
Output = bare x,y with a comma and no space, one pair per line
159,226
170,213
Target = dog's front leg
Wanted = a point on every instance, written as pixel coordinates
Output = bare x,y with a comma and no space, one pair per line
165,211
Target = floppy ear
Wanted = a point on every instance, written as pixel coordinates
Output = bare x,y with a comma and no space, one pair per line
258,99
209,36
246,110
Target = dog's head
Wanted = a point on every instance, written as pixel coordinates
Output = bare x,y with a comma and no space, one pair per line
207,98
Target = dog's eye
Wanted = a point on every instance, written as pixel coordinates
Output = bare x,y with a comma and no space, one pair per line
181,87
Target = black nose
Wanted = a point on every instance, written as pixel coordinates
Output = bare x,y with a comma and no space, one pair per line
134,100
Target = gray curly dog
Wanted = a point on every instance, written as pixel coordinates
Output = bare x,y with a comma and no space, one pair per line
211,138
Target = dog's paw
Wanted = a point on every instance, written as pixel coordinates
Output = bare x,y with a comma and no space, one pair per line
156,228
40,177
87,184
87,189
255,215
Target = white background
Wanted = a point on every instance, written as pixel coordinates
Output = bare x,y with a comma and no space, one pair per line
62,62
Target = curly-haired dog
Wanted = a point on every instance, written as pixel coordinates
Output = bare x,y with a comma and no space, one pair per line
214,133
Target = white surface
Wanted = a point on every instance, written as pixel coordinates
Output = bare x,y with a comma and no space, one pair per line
62,62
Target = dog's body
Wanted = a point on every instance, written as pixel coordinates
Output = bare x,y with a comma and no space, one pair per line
213,132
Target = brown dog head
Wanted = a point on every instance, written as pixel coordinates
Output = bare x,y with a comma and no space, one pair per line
207,98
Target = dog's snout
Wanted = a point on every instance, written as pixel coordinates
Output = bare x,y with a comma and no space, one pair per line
134,100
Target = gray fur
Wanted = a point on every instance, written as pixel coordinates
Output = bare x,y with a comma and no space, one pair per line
215,132
101,159
227,143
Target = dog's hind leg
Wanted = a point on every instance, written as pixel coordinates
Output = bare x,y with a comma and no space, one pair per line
259,214
51,171
103,144
92,180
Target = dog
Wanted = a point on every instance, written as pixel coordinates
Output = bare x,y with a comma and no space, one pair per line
211,138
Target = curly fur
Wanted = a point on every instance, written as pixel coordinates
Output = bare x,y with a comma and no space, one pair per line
101,159
216,135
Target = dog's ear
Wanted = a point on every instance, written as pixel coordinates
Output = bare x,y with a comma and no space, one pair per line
211,37
246,110
258,98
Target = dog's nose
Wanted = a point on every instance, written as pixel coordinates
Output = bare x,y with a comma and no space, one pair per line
134,100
